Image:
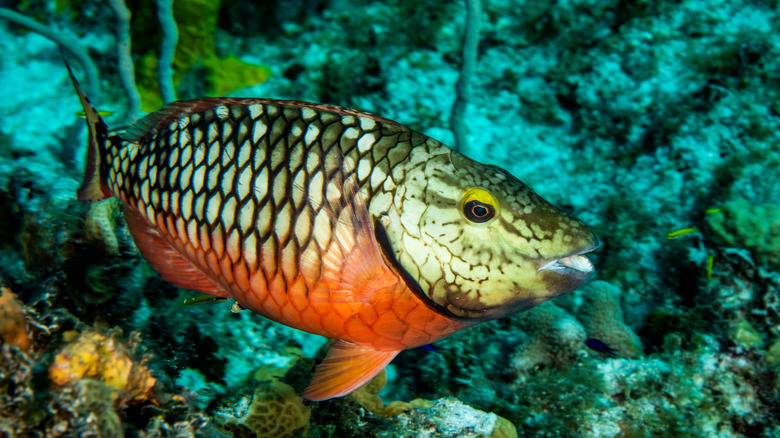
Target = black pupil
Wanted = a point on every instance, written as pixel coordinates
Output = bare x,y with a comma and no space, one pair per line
478,212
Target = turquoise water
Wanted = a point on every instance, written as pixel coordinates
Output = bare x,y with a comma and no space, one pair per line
646,120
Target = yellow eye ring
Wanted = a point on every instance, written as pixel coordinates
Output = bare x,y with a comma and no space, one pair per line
478,205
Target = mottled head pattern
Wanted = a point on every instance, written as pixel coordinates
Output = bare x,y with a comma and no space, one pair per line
479,243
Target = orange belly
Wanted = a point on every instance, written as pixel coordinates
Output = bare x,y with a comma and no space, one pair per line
348,293
392,319
395,320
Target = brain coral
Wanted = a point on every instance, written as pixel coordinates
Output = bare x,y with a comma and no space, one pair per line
602,317
555,338
275,411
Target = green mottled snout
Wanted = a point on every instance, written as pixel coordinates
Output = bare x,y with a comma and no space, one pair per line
479,243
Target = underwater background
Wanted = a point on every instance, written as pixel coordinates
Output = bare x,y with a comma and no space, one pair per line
655,122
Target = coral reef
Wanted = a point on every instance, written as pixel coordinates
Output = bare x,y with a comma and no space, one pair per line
447,417
557,337
85,408
451,418
756,228
591,103
16,389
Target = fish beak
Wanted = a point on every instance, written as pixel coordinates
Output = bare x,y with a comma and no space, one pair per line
574,266
565,274
575,262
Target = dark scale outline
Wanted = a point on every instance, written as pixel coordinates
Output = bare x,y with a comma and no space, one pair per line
293,117
204,165
265,202
277,138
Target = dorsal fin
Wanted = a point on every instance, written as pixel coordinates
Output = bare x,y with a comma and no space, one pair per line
160,120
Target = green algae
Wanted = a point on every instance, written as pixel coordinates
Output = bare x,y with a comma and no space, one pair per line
196,58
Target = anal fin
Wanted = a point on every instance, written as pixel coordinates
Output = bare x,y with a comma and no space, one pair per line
346,367
166,260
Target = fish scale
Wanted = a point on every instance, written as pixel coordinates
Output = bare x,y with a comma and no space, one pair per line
259,267
332,221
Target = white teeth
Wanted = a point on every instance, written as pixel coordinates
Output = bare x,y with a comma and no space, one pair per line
577,262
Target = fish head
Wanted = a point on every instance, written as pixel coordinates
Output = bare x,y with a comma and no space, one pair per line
479,244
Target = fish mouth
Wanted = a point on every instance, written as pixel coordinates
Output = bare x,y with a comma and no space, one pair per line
574,265
575,262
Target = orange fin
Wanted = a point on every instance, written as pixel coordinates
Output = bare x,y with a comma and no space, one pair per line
351,265
171,265
346,367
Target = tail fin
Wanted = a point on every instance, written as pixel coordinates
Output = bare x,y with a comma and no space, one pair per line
92,188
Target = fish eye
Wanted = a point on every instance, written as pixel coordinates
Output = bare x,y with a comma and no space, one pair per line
478,205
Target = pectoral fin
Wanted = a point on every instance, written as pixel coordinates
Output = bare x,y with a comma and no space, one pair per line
351,266
346,367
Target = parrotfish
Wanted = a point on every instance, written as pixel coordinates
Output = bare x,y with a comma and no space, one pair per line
332,221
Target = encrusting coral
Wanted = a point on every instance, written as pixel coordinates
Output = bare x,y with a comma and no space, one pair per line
602,317
556,338
368,397
93,355
196,49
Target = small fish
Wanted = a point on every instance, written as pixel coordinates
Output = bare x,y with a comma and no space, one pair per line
333,221
680,233
83,114
202,299
596,345
429,347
